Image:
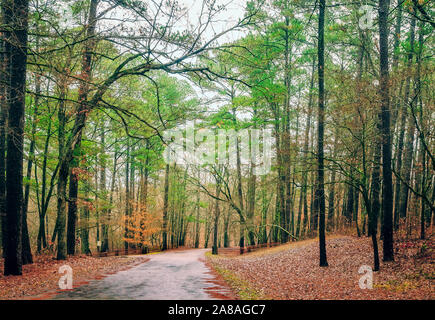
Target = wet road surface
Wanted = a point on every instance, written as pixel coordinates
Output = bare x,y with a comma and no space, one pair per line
173,275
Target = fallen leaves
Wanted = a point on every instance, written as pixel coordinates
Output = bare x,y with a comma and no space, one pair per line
292,271
42,276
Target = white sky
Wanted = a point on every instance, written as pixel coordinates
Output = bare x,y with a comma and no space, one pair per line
234,11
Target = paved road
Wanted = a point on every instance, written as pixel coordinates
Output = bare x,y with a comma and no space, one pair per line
173,275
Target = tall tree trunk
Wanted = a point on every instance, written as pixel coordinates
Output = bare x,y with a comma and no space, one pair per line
374,205
294,173
280,186
97,204
312,218
320,190
72,204
132,176
395,63
112,188
409,143
4,98
197,208
63,164
144,193
26,251
84,225
226,228
285,143
349,205
250,210
59,229
86,76
331,203
165,210
207,231
197,226
104,211
355,210
127,196
387,186
406,169
216,220
403,117
331,196
240,191
45,199
16,17
422,156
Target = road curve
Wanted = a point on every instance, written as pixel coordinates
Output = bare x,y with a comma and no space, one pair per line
172,275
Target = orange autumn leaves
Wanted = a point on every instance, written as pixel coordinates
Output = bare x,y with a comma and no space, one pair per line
141,225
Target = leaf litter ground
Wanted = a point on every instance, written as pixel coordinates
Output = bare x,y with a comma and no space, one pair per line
291,271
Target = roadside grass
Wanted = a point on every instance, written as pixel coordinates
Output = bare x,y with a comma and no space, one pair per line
242,288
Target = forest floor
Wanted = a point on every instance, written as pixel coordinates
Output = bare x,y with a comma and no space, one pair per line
40,279
291,271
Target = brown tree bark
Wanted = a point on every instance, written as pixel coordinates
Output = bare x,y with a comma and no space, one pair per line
300,231
86,75
16,17
104,211
403,117
214,249
250,210
320,190
127,196
374,205
165,210
4,96
387,186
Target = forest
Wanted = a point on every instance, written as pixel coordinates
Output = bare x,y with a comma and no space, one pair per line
160,124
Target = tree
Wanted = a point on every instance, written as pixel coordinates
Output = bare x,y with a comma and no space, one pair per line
402,191
16,18
320,187
4,87
86,78
216,219
141,227
384,114
165,209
